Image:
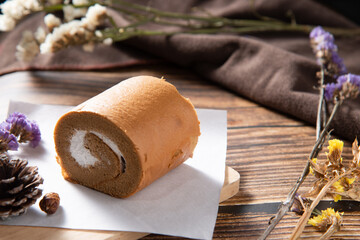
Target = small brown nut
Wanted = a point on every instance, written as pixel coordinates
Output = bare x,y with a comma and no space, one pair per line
50,203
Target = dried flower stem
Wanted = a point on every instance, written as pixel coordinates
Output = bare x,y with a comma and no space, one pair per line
331,230
307,213
141,15
286,205
320,111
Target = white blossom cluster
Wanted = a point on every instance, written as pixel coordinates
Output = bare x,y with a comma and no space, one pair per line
58,35
70,12
76,31
14,10
28,47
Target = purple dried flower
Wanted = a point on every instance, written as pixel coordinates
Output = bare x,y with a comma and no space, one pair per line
5,126
316,32
338,61
325,50
24,129
7,141
35,135
330,88
346,86
326,46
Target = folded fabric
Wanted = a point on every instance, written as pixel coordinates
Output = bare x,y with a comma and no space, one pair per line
274,69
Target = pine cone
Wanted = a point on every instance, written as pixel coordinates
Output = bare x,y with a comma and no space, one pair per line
18,186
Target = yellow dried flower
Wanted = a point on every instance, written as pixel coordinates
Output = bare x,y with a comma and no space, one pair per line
337,197
326,219
335,149
335,145
350,180
314,160
342,185
338,186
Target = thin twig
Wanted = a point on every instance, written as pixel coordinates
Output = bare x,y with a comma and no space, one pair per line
319,119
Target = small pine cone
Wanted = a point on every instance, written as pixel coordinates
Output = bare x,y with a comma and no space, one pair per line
18,186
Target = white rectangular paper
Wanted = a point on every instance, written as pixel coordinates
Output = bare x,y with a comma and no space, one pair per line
182,203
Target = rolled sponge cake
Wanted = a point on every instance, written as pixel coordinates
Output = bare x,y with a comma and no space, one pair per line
125,138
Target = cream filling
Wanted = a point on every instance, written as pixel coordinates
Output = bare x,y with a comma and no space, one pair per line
83,155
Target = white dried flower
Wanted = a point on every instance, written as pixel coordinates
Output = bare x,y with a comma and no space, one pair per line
70,13
95,16
80,2
6,23
99,34
14,10
40,35
75,32
28,47
51,21
88,47
31,5
108,41
70,33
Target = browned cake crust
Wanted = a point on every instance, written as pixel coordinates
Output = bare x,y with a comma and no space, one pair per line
155,128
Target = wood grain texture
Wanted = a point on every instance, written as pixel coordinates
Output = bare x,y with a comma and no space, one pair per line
267,148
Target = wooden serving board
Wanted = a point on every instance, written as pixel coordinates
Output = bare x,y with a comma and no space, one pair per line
230,188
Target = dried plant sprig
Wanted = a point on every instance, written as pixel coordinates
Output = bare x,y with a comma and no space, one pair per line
308,211
325,49
139,16
323,46
286,205
334,179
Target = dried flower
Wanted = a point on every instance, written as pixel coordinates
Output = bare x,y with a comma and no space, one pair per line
51,22
27,48
300,203
327,218
335,149
75,32
108,41
356,154
347,86
70,13
7,141
325,49
50,203
6,23
95,16
341,186
40,35
14,10
24,129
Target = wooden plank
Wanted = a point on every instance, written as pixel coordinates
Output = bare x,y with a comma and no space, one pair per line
230,188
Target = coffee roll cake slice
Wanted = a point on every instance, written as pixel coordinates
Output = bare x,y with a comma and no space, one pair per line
125,138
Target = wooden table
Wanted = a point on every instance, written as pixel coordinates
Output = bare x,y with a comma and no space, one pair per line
268,149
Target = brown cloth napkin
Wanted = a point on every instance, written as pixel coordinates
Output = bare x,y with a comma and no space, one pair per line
274,69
